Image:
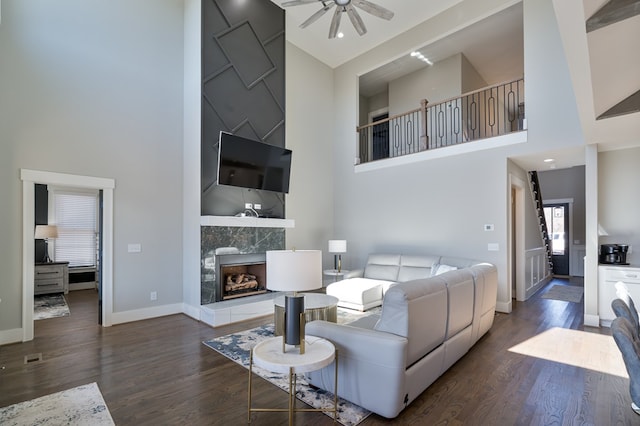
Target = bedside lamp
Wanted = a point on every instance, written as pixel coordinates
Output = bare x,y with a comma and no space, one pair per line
294,270
337,247
44,232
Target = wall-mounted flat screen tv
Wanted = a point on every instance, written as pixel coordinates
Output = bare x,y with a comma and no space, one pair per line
246,163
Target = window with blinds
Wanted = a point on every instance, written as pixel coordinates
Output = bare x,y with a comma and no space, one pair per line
75,214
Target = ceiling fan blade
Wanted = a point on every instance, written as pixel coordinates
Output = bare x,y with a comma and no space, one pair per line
373,9
297,2
335,23
356,20
313,18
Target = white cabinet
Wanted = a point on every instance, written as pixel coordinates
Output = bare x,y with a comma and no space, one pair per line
608,276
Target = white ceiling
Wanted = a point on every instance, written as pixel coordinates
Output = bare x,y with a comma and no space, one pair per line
494,45
314,39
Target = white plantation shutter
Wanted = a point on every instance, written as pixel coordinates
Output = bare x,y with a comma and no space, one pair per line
75,214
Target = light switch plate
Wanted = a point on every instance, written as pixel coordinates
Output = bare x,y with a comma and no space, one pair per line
493,247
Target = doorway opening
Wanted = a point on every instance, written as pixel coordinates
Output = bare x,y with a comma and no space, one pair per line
557,217
29,180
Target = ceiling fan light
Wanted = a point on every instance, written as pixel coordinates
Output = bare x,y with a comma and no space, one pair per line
340,34
342,2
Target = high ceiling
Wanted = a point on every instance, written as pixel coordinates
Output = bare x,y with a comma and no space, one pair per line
494,45
314,39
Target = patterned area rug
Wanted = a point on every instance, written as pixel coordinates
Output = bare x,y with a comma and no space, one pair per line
50,306
566,293
80,406
237,347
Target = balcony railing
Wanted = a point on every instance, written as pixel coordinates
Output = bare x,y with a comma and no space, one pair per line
484,113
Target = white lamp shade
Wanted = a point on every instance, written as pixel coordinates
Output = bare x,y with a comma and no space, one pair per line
337,246
294,270
46,231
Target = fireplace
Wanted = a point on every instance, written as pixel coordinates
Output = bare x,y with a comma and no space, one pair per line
240,275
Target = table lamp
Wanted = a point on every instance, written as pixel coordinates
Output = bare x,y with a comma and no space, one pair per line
294,270
44,232
338,247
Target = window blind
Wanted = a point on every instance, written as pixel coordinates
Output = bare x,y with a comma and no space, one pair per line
76,218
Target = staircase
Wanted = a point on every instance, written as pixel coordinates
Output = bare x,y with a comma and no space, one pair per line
544,231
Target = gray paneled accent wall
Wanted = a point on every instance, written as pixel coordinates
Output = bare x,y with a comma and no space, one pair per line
243,93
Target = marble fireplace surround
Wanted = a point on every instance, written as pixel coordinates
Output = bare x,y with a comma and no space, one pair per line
249,235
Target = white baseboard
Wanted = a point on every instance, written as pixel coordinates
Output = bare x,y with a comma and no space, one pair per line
146,313
504,307
191,311
11,336
592,320
91,285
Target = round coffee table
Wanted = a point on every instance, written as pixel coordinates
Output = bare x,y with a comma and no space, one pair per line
269,355
317,306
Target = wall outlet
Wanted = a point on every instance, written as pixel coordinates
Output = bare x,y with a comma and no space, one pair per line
248,205
257,206
154,295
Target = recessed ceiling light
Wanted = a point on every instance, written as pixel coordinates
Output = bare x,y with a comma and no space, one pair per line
549,160
340,35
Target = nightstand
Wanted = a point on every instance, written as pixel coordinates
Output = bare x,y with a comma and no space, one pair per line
51,278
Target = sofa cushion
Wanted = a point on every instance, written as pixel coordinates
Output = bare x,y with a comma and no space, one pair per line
382,267
461,289
416,310
416,267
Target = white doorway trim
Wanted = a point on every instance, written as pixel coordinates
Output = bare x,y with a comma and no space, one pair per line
519,186
29,179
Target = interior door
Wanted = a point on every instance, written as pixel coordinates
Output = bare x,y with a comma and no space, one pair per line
99,257
557,217
380,138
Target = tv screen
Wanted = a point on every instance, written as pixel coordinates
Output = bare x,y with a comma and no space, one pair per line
247,163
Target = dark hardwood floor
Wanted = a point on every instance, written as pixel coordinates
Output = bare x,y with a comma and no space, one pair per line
157,372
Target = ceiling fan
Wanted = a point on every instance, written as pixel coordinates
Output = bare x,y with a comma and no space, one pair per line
343,6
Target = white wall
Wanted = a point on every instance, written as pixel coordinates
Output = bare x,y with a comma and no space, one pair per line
619,199
96,89
471,79
434,83
308,135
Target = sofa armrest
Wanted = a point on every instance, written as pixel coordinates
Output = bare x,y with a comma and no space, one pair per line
371,366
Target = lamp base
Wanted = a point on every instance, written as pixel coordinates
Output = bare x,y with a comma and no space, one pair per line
294,322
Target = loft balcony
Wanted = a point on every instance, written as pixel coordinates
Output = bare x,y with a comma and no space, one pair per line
485,113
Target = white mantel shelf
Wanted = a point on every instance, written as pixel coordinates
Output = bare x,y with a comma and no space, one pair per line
247,221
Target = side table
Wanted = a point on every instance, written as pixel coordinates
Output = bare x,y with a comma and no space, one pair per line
335,273
318,353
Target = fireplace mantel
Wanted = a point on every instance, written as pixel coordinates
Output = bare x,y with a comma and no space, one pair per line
249,222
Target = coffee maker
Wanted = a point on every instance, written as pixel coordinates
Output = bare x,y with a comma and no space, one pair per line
614,254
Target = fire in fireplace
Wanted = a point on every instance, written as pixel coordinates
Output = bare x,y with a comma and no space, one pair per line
241,275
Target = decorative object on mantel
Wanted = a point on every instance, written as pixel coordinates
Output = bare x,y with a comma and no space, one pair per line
337,247
45,232
297,271
237,347
82,405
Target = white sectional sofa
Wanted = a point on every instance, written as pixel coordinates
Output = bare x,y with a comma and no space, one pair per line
426,325
364,289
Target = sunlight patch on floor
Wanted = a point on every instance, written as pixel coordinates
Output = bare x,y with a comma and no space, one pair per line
593,351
